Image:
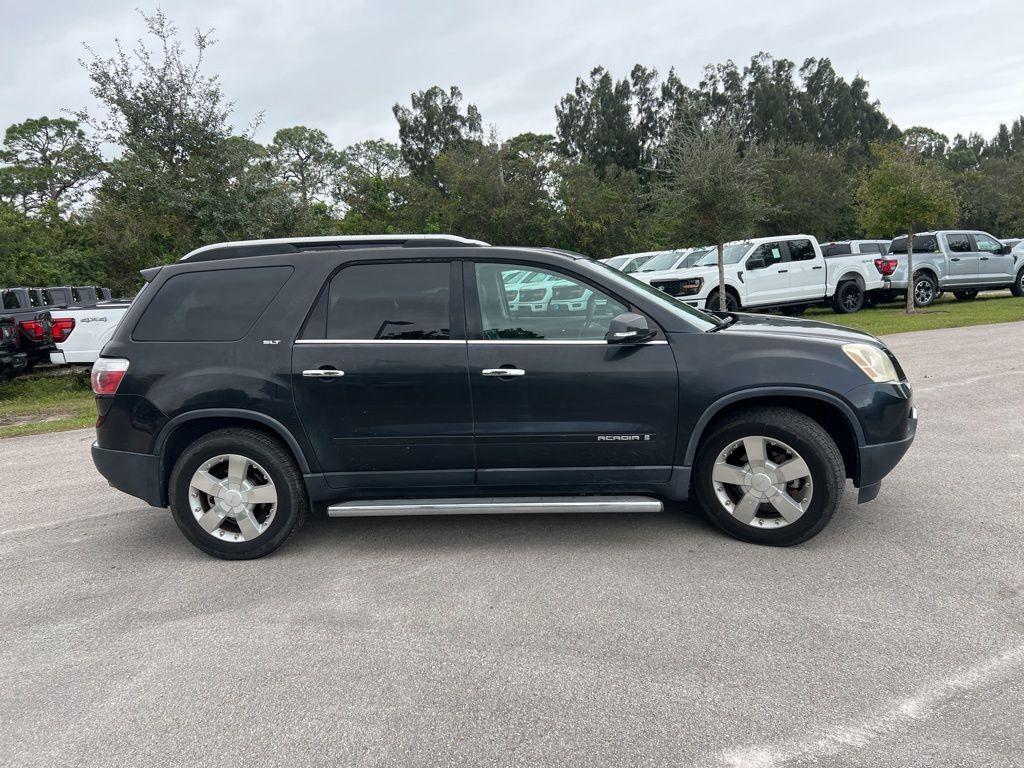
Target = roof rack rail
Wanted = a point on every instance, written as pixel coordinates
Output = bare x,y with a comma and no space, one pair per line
244,248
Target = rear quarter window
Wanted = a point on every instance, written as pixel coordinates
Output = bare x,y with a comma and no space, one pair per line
836,249
213,305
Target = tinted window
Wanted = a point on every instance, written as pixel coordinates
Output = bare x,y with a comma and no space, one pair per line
870,247
770,252
10,301
988,244
958,243
800,250
390,301
218,305
836,249
549,305
922,244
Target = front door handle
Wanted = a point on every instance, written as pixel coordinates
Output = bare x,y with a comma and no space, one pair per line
322,373
955,258
782,271
817,267
984,258
503,372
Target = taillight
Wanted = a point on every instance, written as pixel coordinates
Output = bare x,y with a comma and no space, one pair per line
107,373
885,267
62,328
34,329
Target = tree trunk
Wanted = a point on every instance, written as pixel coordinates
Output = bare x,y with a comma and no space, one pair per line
721,277
910,273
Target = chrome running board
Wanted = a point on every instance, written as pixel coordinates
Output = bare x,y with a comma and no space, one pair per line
495,506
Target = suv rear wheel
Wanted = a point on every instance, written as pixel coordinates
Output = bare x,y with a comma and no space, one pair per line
237,494
769,476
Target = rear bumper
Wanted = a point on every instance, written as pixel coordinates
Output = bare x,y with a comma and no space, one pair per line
137,474
877,461
57,358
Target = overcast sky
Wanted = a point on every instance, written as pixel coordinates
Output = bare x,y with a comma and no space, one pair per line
340,64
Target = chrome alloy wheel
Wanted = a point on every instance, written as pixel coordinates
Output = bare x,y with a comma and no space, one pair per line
924,292
762,482
232,498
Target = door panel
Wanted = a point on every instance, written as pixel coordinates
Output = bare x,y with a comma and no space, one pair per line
380,385
993,267
963,260
577,409
771,283
806,271
581,411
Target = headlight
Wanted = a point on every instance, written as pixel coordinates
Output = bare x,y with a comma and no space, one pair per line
873,361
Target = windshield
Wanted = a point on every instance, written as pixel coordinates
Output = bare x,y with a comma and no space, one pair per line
702,321
661,261
617,261
693,258
731,255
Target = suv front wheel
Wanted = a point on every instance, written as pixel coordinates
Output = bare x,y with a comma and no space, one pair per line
769,476
237,494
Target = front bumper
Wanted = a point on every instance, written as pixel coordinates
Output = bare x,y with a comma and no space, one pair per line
877,461
137,474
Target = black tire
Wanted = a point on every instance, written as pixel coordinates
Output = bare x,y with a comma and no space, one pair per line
793,310
270,454
965,295
848,298
926,290
803,434
1017,289
732,304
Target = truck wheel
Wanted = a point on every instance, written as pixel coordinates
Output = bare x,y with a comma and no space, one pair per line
1017,289
926,290
849,298
732,304
237,494
965,295
769,476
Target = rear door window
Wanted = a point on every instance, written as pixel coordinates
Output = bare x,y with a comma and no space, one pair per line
870,247
800,250
213,305
959,243
836,249
397,301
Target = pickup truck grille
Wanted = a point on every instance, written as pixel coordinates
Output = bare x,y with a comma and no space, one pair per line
567,292
532,294
671,287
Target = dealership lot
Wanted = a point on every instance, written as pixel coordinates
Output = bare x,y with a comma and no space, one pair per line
896,637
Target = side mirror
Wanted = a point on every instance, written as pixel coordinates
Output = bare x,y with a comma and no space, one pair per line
1004,250
756,262
629,328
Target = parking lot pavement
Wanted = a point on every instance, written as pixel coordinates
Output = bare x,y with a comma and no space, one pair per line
895,638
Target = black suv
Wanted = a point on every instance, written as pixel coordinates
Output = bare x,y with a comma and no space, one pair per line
250,382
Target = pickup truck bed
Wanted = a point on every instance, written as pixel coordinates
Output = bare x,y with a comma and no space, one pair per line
90,329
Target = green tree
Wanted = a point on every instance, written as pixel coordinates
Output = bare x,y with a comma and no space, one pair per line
808,190
371,185
50,163
305,161
710,192
905,193
434,123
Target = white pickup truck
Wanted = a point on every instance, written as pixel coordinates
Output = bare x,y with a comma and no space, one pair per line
81,331
788,272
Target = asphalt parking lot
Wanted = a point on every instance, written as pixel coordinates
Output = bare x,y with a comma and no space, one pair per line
895,638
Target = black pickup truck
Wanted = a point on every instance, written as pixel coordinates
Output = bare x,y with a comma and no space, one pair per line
11,360
34,323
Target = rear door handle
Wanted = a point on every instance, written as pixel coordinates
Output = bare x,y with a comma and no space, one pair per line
503,372
955,258
983,258
817,267
782,271
322,373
